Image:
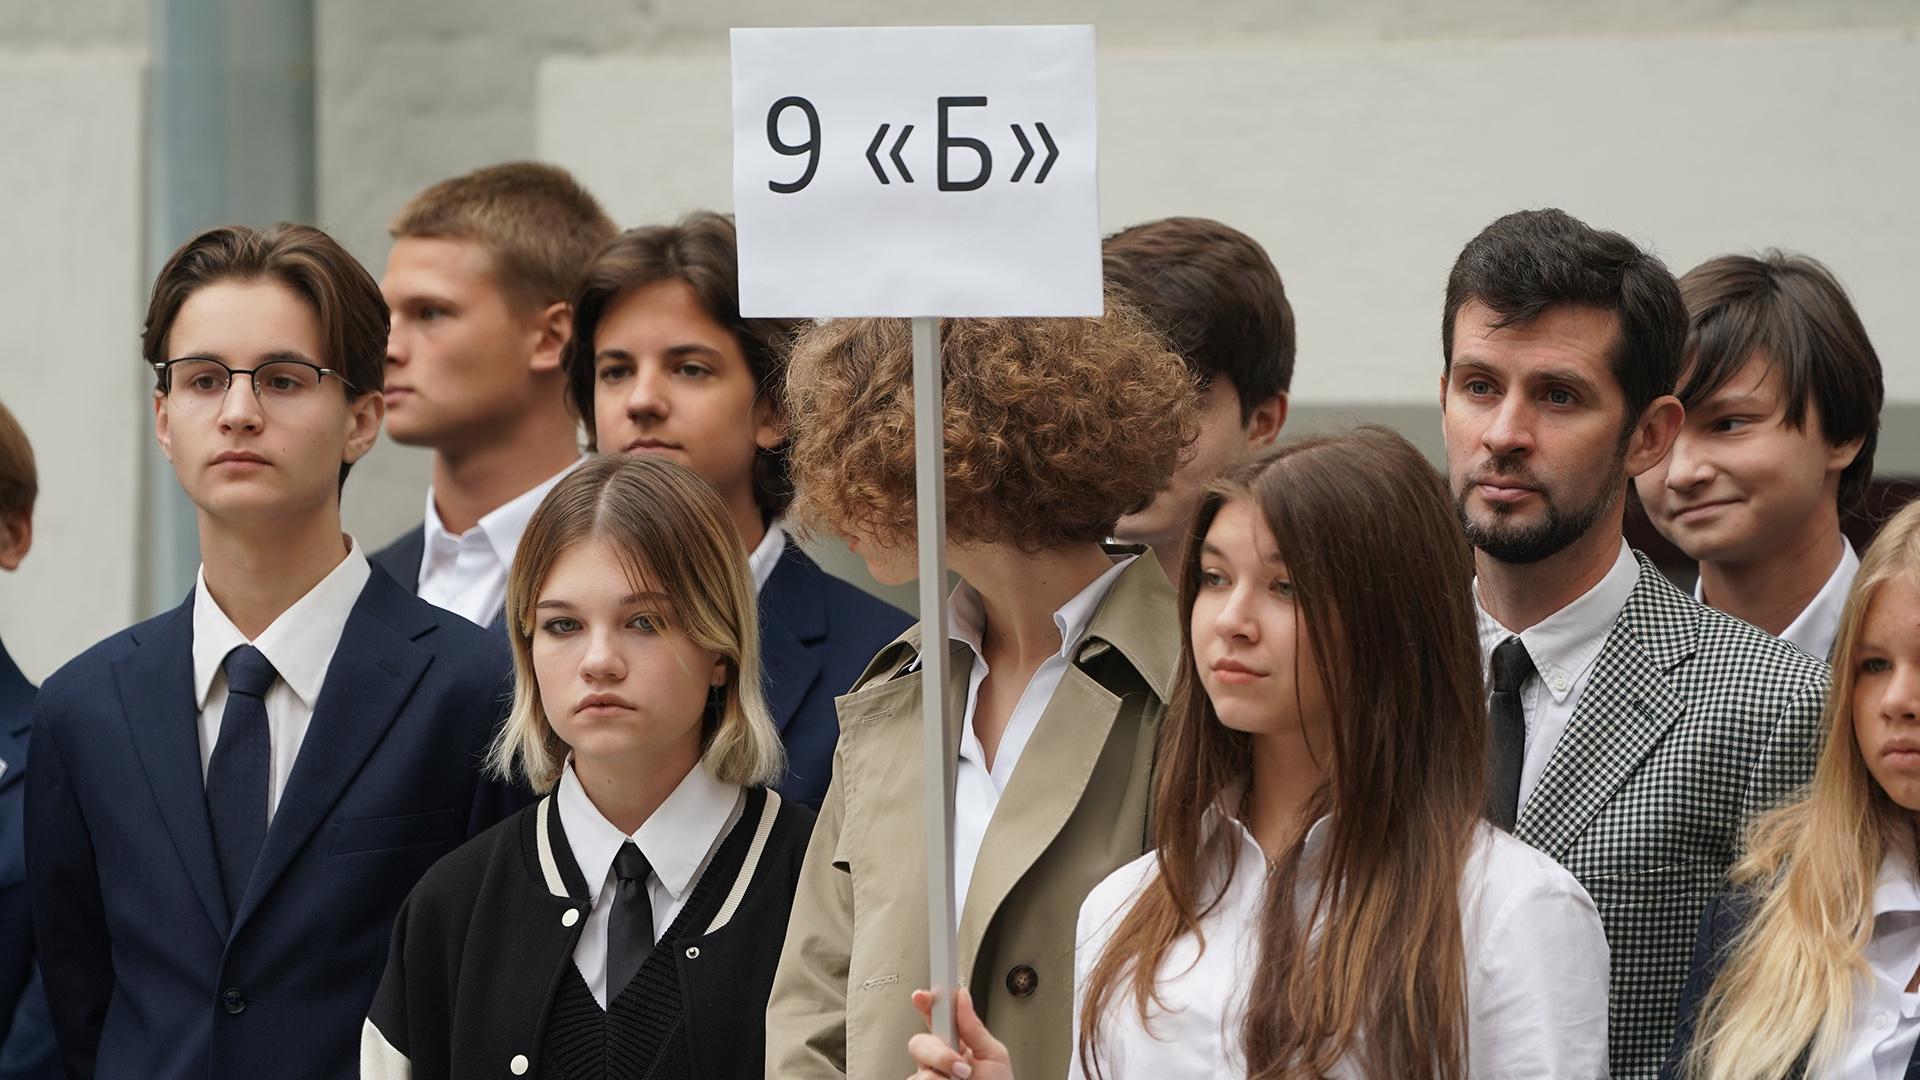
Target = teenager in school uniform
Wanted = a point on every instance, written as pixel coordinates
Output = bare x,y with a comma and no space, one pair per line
1782,390
1809,965
228,802
476,287
1323,898
661,363
1062,653
627,924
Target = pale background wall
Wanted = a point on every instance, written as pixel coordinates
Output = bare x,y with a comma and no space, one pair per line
72,97
1361,141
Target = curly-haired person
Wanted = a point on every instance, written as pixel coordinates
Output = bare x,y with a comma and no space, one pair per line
1062,651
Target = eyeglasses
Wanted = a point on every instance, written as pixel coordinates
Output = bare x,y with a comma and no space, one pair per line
198,381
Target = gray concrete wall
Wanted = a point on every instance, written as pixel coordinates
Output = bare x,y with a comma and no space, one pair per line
71,292
411,93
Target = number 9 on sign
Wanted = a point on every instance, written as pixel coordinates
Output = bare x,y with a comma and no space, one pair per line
810,149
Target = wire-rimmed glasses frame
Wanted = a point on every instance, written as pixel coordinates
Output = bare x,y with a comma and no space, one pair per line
200,380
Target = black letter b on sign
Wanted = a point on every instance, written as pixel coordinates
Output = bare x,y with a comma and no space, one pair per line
949,141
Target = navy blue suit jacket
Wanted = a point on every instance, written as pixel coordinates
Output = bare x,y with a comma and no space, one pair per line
151,976
28,1052
817,634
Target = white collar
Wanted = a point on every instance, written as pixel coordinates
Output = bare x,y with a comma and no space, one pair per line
299,644
1813,630
1896,891
502,525
967,613
676,838
762,559
1564,644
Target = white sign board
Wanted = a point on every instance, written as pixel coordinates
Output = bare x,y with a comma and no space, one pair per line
916,171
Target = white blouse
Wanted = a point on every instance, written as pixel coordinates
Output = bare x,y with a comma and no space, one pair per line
1536,970
1886,1019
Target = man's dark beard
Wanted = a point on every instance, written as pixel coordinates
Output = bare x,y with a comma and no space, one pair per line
1519,544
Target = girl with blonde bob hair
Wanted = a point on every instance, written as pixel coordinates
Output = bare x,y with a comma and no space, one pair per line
624,923
1805,967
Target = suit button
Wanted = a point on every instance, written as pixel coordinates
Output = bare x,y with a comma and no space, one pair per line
1022,981
233,1001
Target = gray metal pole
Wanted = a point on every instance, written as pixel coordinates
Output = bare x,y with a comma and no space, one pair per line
231,141
930,487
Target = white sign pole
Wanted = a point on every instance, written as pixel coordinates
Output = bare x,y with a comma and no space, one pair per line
860,152
930,502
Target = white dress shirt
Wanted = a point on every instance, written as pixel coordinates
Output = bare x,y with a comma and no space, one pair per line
299,644
1536,966
1813,630
761,560
467,574
1564,646
1886,1019
678,840
977,788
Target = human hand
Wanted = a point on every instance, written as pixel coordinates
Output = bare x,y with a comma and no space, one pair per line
982,1057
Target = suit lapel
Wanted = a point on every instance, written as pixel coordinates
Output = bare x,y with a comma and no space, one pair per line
792,618
1624,711
156,697
1041,795
374,670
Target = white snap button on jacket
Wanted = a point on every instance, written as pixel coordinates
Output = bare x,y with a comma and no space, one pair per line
572,916
693,952
518,1065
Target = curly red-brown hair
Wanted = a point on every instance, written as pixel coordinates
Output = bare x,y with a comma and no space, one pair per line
1055,428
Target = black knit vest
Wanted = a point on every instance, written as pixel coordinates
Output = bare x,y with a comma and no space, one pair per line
642,1035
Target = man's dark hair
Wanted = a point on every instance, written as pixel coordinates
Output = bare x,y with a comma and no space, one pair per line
1212,291
702,250
1532,260
1789,311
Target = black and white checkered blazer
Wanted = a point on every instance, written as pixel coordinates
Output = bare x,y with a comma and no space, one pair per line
1691,723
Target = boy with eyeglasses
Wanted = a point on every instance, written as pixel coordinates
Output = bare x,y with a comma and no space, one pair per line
229,802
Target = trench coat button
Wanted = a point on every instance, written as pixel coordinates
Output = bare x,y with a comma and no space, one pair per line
693,952
1022,981
233,1001
518,1064
571,916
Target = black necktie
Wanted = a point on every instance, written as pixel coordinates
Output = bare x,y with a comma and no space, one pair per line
1512,667
237,772
629,921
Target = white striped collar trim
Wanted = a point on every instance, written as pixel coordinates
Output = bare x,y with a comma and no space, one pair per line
740,882
544,843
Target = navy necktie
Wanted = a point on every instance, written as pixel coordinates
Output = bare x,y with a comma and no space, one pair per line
238,771
1512,667
629,920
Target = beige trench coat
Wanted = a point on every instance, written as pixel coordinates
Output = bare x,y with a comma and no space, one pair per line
1075,809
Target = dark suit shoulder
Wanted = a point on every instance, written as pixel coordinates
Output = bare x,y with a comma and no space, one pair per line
447,633
401,558
86,673
1728,640
846,602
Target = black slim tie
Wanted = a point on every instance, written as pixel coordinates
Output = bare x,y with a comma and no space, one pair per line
237,772
629,921
1512,667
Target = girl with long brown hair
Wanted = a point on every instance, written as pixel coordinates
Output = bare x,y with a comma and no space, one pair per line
1807,966
1323,899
